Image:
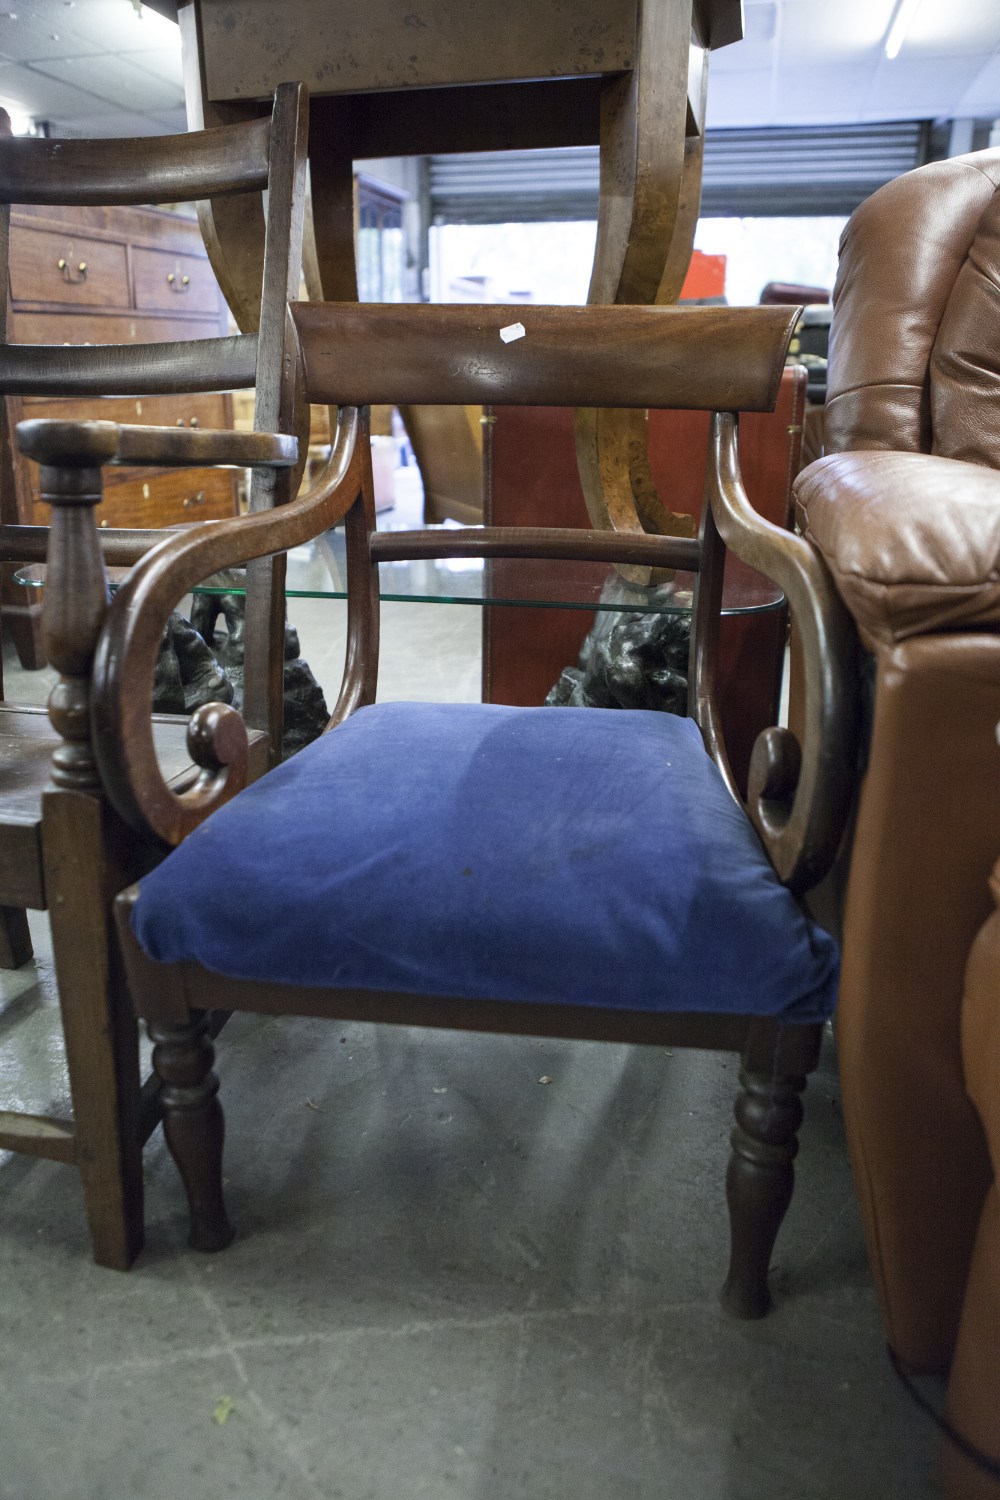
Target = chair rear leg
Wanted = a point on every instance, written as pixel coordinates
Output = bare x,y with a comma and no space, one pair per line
193,1124
761,1175
15,939
99,1027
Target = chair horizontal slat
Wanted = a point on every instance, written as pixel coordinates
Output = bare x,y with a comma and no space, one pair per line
37,1135
706,358
154,169
121,547
561,543
129,369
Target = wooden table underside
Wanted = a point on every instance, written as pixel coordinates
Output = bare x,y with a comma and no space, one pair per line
457,75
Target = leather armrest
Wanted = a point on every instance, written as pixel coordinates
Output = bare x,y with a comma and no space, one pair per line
912,540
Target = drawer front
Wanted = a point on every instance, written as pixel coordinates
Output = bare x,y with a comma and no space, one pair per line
63,328
174,283
67,268
162,498
152,411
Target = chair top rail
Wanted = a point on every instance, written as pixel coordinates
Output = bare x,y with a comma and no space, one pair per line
187,365
155,169
704,358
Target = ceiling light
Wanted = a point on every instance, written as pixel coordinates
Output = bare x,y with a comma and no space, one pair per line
905,11
20,120
136,23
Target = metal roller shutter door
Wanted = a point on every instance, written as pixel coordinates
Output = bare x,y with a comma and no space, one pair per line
746,173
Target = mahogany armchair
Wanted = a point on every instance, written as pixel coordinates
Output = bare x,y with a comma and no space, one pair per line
61,849
462,865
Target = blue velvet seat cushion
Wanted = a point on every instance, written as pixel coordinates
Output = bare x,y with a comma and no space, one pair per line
560,854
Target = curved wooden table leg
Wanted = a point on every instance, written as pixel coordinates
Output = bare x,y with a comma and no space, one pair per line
232,228
652,141
329,256
331,267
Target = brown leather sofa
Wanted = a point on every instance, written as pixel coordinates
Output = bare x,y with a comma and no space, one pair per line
973,1399
906,511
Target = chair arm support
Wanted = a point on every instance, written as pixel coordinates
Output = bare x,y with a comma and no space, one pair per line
799,796
60,444
912,540
125,657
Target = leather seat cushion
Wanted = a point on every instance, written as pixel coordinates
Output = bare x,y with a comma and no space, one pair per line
913,541
539,854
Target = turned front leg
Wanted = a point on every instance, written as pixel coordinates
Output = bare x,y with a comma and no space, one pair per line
193,1124
759,1181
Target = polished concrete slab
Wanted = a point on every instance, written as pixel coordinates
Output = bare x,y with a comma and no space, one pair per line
465,1267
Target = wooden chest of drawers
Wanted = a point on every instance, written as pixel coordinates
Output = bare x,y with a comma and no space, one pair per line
121,275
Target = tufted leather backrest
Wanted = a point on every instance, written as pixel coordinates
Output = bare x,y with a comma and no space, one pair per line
915,342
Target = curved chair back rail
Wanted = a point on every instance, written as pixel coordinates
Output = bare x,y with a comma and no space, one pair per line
156,169
706,358
130,369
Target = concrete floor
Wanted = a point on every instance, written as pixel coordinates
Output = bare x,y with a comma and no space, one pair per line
451,1278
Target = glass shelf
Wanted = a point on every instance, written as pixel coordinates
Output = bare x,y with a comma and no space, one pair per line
318,571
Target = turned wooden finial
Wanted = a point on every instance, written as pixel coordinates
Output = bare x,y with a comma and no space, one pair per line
76,601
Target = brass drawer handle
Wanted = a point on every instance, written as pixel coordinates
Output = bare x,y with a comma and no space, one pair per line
64,267
177,283
193,500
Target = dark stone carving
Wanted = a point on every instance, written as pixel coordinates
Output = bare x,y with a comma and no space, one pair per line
187,673
306,713
199,662
629,661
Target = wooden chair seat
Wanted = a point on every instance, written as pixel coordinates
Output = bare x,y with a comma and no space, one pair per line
513,854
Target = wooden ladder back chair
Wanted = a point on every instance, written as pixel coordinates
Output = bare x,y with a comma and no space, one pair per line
563,872
241,159
61,850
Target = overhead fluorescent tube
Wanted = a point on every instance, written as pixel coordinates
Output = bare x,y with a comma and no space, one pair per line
905,11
